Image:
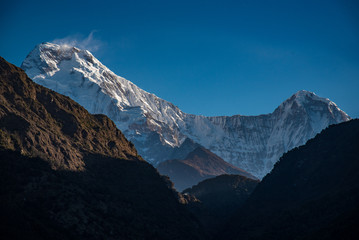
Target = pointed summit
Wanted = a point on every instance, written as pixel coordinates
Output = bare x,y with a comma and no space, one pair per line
48,56
304,96
304,93
311,104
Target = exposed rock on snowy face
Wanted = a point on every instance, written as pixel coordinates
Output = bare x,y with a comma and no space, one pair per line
158,128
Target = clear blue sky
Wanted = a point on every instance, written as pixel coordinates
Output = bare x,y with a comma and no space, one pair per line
207,57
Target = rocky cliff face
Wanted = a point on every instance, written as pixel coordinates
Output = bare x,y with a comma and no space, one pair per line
157,127
39,122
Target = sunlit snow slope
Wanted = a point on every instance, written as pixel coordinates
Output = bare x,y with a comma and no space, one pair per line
158,128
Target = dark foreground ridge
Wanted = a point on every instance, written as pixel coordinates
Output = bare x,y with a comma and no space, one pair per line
67,174
219,198
312,192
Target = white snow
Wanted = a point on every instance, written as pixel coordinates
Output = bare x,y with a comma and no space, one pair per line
253,143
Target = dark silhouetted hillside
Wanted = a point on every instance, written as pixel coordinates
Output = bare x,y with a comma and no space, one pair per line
312,193
219,198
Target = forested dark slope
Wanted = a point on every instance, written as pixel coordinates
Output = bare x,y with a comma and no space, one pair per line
312,192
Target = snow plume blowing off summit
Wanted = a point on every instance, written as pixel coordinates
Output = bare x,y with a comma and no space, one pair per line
89,42
159,129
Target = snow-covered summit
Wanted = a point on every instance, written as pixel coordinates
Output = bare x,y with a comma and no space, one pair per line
49,61
306,98
158,128
303,97
79,75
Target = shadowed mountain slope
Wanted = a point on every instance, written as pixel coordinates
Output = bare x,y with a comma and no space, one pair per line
219,198
199,164
67,174
312,193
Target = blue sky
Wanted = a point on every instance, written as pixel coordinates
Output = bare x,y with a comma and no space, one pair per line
206,57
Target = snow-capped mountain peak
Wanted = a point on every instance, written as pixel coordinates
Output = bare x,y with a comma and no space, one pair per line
158,128
310,104
79,75
304,97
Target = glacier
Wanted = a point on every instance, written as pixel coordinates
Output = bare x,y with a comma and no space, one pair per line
159,129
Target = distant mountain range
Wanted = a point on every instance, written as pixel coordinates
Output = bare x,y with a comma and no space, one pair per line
197,166
158,129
